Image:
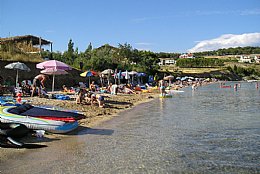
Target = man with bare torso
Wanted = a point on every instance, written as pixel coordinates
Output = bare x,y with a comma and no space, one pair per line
38,82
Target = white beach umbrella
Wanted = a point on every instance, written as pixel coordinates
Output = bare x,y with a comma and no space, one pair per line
17,66
107,71
132,73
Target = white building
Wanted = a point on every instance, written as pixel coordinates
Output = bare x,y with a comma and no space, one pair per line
186,56
257,58
167,61
245,59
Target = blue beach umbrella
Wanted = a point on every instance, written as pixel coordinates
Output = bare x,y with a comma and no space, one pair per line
119,76
88,74
140,75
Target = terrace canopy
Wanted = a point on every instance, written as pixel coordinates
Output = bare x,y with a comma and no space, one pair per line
35,40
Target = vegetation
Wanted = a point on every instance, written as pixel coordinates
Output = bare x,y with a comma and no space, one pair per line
17,52
199,63
125,57
240,71
229,51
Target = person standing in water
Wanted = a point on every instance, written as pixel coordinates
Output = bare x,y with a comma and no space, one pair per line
162,87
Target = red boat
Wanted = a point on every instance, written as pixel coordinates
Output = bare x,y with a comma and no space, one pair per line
225,86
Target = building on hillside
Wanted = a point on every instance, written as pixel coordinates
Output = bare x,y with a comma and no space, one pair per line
257,58
186,56
166,61
252,58
27,43
245,59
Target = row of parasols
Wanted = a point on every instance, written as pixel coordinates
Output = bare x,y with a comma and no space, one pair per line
54,67
51,67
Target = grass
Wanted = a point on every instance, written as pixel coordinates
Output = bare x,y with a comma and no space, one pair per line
189,70
22,57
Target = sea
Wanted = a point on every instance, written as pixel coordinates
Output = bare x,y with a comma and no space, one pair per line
207,130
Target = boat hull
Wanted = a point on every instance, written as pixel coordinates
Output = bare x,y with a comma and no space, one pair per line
36,123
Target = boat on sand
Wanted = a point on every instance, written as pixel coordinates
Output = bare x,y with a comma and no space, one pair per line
47,120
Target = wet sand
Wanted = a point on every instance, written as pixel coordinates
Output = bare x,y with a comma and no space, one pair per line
94,115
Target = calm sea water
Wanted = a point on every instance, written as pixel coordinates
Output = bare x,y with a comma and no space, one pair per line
209,130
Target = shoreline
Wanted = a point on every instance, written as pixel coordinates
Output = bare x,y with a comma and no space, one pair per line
94,115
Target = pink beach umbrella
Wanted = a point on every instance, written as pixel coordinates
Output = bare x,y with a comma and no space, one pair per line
53,67
53,72
53,64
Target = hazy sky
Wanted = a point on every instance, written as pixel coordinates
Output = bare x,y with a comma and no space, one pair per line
156,25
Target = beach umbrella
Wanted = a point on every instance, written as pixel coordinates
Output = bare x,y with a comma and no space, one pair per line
150,79
127,76
88,74
184,78
119,75
170,78
53,72
107,71
132,73
140,75
55,64
115,75
17,66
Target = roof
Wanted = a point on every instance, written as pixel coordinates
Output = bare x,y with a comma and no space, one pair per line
28,38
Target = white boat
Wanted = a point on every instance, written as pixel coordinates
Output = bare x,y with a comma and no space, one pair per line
251,81
173,91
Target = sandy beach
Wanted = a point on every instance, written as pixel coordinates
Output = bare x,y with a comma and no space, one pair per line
94,115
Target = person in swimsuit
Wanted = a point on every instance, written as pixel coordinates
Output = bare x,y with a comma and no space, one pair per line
100,99
162,87
38,82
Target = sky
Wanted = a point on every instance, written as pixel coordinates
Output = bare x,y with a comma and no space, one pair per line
175,26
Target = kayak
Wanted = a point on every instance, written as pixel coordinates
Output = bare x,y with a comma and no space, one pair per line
35,123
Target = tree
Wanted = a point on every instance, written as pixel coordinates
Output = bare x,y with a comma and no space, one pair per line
149,62
89,48
70,47
69,55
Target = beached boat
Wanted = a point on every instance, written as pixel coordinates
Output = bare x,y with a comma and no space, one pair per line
165,96
173,91
36,123
225,86
250,81
51,113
